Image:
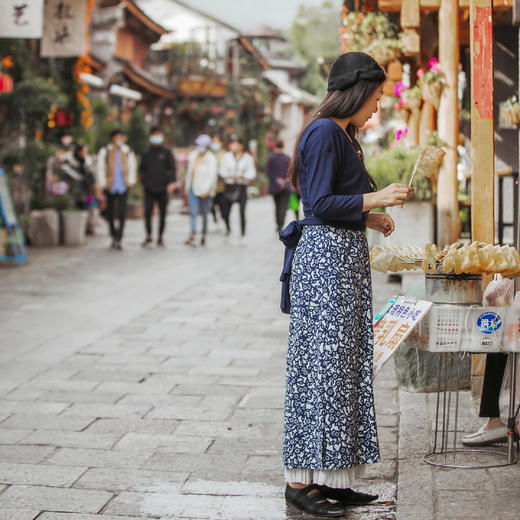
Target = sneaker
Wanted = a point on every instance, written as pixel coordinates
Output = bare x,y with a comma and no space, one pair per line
191,242
484,437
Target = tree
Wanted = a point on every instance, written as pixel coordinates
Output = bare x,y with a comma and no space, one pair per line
315,33
137,131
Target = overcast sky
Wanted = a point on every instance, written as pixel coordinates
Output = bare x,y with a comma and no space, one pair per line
252,14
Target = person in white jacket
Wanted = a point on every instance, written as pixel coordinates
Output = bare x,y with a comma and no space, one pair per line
201,185
116,174
237,168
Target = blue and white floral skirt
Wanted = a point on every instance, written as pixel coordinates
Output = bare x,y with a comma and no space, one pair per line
330,425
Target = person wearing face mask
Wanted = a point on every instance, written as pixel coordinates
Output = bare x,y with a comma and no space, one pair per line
116,174
201,185
158,174
238,170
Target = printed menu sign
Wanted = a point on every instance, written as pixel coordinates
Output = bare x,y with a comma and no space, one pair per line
395,326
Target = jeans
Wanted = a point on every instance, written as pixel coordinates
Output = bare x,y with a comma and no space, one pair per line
235,193
150,199
281,203
116,202
199,205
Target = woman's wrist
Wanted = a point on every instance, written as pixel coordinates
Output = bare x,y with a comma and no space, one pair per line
370,201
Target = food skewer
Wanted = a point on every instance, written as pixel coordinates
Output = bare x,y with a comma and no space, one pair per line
428,163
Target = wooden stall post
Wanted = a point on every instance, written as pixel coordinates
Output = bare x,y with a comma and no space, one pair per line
448,123
482,139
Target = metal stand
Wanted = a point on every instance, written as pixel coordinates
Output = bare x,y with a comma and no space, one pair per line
445,452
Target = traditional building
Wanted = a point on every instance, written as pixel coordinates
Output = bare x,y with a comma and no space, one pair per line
121,37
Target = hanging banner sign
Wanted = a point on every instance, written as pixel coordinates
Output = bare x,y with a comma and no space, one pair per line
21,18
64,28
392,328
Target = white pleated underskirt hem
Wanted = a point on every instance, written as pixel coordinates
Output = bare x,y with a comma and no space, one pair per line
338,478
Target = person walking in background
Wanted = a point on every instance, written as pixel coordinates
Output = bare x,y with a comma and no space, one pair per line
158,175
279,183
217,149
238,170
116,174
77,166
201,184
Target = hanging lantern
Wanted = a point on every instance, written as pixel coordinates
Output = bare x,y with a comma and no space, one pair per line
6,83
63,117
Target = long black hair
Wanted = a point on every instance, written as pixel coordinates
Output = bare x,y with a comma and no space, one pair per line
339,104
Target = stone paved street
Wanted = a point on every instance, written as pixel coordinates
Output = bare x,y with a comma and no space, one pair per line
149,384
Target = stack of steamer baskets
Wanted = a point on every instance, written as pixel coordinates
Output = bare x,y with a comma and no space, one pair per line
457,321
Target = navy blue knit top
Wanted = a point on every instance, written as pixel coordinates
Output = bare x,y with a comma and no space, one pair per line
331,176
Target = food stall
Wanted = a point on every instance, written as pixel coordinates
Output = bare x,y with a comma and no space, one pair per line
457,323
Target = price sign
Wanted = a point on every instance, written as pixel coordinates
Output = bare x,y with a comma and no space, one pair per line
395,326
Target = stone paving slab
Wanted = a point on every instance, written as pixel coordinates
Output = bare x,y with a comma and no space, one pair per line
53,498
40,475
18,514
47,422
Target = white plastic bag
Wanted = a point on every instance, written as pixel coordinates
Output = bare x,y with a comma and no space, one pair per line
499,292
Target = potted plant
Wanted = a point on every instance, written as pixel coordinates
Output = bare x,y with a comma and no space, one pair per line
413,98
432,82
370,32
73,230
74,226
510,111
135,208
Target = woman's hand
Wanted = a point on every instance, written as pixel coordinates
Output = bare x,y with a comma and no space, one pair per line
393,195
381,222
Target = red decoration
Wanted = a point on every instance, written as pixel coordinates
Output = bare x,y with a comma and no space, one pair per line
6,83
63,117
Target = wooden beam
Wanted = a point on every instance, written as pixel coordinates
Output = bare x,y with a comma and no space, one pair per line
434,5
448,124
482,141
482,132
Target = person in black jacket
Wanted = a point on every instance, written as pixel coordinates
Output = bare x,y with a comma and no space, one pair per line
158,174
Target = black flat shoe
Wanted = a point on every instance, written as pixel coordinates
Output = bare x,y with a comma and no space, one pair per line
347,497
310,500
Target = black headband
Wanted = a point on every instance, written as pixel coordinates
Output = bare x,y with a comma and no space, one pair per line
350,67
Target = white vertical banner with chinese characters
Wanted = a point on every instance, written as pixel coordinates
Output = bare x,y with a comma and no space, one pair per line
395,326
21,18
64,28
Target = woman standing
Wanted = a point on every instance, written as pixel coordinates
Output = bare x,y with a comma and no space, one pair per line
330,428
237,168
201,184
